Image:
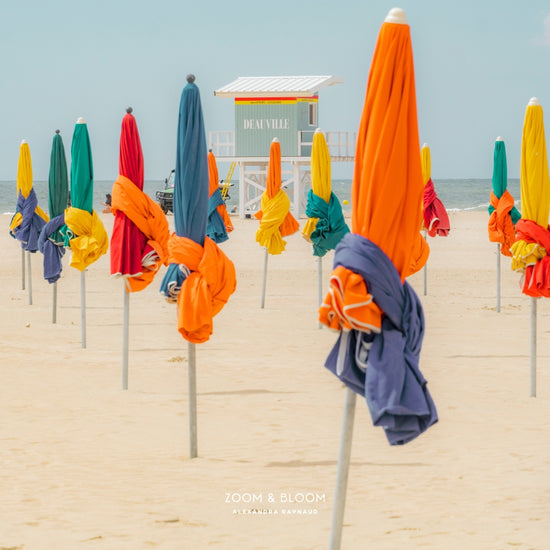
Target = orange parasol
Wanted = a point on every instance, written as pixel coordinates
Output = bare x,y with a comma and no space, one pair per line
387,177
378,313
219,223
276,221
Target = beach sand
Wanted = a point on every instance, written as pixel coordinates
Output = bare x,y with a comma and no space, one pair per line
87,465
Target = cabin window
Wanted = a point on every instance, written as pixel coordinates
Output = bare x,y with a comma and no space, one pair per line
313,114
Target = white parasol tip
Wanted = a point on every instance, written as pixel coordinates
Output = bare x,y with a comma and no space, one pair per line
424,145
534,101
396,15
499,139
23,141
80,120
275,140
318,131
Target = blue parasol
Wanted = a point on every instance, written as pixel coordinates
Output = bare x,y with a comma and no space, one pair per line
190,182
200,277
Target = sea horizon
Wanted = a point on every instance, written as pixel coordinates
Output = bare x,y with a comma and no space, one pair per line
456,194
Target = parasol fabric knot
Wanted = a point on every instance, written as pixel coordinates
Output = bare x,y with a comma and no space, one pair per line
28,221
51,246
216,227
529,255
190,78
129,110
86,236
206,289
381,365
436,219
330,227
501,224
148,217
272,215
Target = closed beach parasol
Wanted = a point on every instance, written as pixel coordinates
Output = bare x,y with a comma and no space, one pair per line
276,221
139,243
29,218
219,223
84,232
530,251
326,225
127,242
503,215
201,277
51,241
377,312
435,218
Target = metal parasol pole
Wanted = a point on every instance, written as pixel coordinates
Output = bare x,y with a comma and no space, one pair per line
54,303
29,276
498,277
192,373
320,278
83,307
344,459
22,269
533,341
125,335
264,279
426,268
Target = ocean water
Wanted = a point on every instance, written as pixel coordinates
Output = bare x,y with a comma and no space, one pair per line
456,194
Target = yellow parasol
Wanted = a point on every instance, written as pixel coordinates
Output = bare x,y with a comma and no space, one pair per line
530,251
320,177
29,218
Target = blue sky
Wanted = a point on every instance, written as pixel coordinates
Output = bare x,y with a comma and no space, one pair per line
477,65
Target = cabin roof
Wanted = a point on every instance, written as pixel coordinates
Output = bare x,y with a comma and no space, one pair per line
276,86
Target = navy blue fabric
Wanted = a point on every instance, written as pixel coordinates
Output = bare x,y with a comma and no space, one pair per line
331,226
215,227
392,384
52,252
31,224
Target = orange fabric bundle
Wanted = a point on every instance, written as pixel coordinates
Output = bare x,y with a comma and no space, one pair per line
537,275
501,228
149,218
348,305
206,290
212,186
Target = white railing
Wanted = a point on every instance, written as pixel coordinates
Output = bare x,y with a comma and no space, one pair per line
222,143
341,145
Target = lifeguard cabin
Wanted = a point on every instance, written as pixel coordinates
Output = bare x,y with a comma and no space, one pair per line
283,107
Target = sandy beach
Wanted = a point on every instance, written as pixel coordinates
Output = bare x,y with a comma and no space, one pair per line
87,465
